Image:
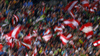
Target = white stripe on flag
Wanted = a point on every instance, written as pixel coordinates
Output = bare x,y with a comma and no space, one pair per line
27,45
98,42
47,32
70,8
85,2
72,14
63,39
69,35
95,44
75,23
89,36
67,22
87,29
16,18
14,31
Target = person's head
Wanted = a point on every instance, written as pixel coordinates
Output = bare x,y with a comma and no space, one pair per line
87,54
24,1
30,1
61,2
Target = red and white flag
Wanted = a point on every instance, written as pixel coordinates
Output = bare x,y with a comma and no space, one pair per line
58,29
75,23
93,7
16,18
97,26
47,37
96,43
66,38
34,33
26,54
8,39
27,39
12,35
34,52
59,33
69,36
63,39
39,38
18,44
16,31
13,21
70,7
77,7
72,43
72,23
61,19
91,10
48,31
9,43
85,3
62,25
87,29
72,14
26,45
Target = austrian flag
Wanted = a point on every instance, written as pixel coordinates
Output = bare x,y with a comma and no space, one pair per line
27,39
85,3
63,39
47,37
96,43
35,33
66,38
26,54
61,19
69,36
70,8
16,18
26,45
58,29
8,39
34,52
71,23
12,34
87,29
48,31
71,5
16,31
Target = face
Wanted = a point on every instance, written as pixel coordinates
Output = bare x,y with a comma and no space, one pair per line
24,1
30,0
60,2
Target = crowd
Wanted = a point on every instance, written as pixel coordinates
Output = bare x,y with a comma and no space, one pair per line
36,19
